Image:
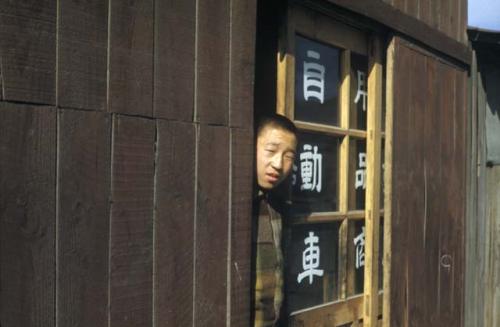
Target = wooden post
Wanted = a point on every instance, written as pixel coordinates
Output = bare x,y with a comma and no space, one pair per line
389,100
345,97
373,149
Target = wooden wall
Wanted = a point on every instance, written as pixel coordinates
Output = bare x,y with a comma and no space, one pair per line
447,16
482,306
428,189
126,146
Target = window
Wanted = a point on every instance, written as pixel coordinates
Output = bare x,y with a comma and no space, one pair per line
330,84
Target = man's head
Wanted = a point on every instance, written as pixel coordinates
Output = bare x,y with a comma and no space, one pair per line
275,150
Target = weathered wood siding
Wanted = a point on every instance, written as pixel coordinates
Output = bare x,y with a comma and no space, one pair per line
126,162
428,189
447,16
482,306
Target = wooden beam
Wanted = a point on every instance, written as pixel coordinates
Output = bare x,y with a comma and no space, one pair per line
373,148
393,18
388,183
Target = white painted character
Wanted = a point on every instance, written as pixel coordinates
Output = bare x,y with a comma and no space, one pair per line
359,242
310,259
361,172
311,166
361,92
314,78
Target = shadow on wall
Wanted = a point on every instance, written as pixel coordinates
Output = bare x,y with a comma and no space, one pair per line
488,57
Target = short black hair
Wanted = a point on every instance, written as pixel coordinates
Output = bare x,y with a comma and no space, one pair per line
277,121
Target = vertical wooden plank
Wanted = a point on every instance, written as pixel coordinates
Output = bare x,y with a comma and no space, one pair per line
464,19
481,212
454,19
242,53
27,215
493,181
444,16
399,4
399,246
212,62
84,144
388,196
424,11
372,210
432,193
131,222
345,163
211,227
131,57
451,216
174,50
417,181
460,145
412,8
82,54
174,224
28,50
285,84
435,13
474,286
242,158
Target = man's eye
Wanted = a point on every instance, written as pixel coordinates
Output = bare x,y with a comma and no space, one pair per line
290,157
270,151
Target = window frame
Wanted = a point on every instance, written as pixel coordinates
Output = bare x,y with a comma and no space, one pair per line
317,26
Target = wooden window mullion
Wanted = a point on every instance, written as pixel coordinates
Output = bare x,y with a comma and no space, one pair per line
344,105
372,203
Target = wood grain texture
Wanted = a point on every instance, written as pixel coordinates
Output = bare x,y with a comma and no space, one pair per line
373,174
401,91
432,168
27,215
131,57
493,305
242,174
417,182
430,185
174,59
474,259
411,26
83,54
132,191
212,62
242,52
174,224
211,246
424,11
28,50
84,144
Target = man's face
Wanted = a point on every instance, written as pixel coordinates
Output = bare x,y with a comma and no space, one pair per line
275,155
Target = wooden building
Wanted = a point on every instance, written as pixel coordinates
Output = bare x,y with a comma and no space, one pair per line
126,160
483,243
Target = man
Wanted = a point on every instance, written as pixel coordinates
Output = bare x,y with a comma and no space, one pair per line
275,152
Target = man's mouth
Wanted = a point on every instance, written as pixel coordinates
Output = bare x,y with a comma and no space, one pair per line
272,177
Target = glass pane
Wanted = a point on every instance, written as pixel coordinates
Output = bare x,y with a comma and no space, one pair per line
357,241
312,257
359,90
314,178
357,174
316,81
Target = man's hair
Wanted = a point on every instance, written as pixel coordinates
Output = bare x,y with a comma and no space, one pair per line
276,121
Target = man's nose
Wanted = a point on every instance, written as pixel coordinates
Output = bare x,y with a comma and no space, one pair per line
277,162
